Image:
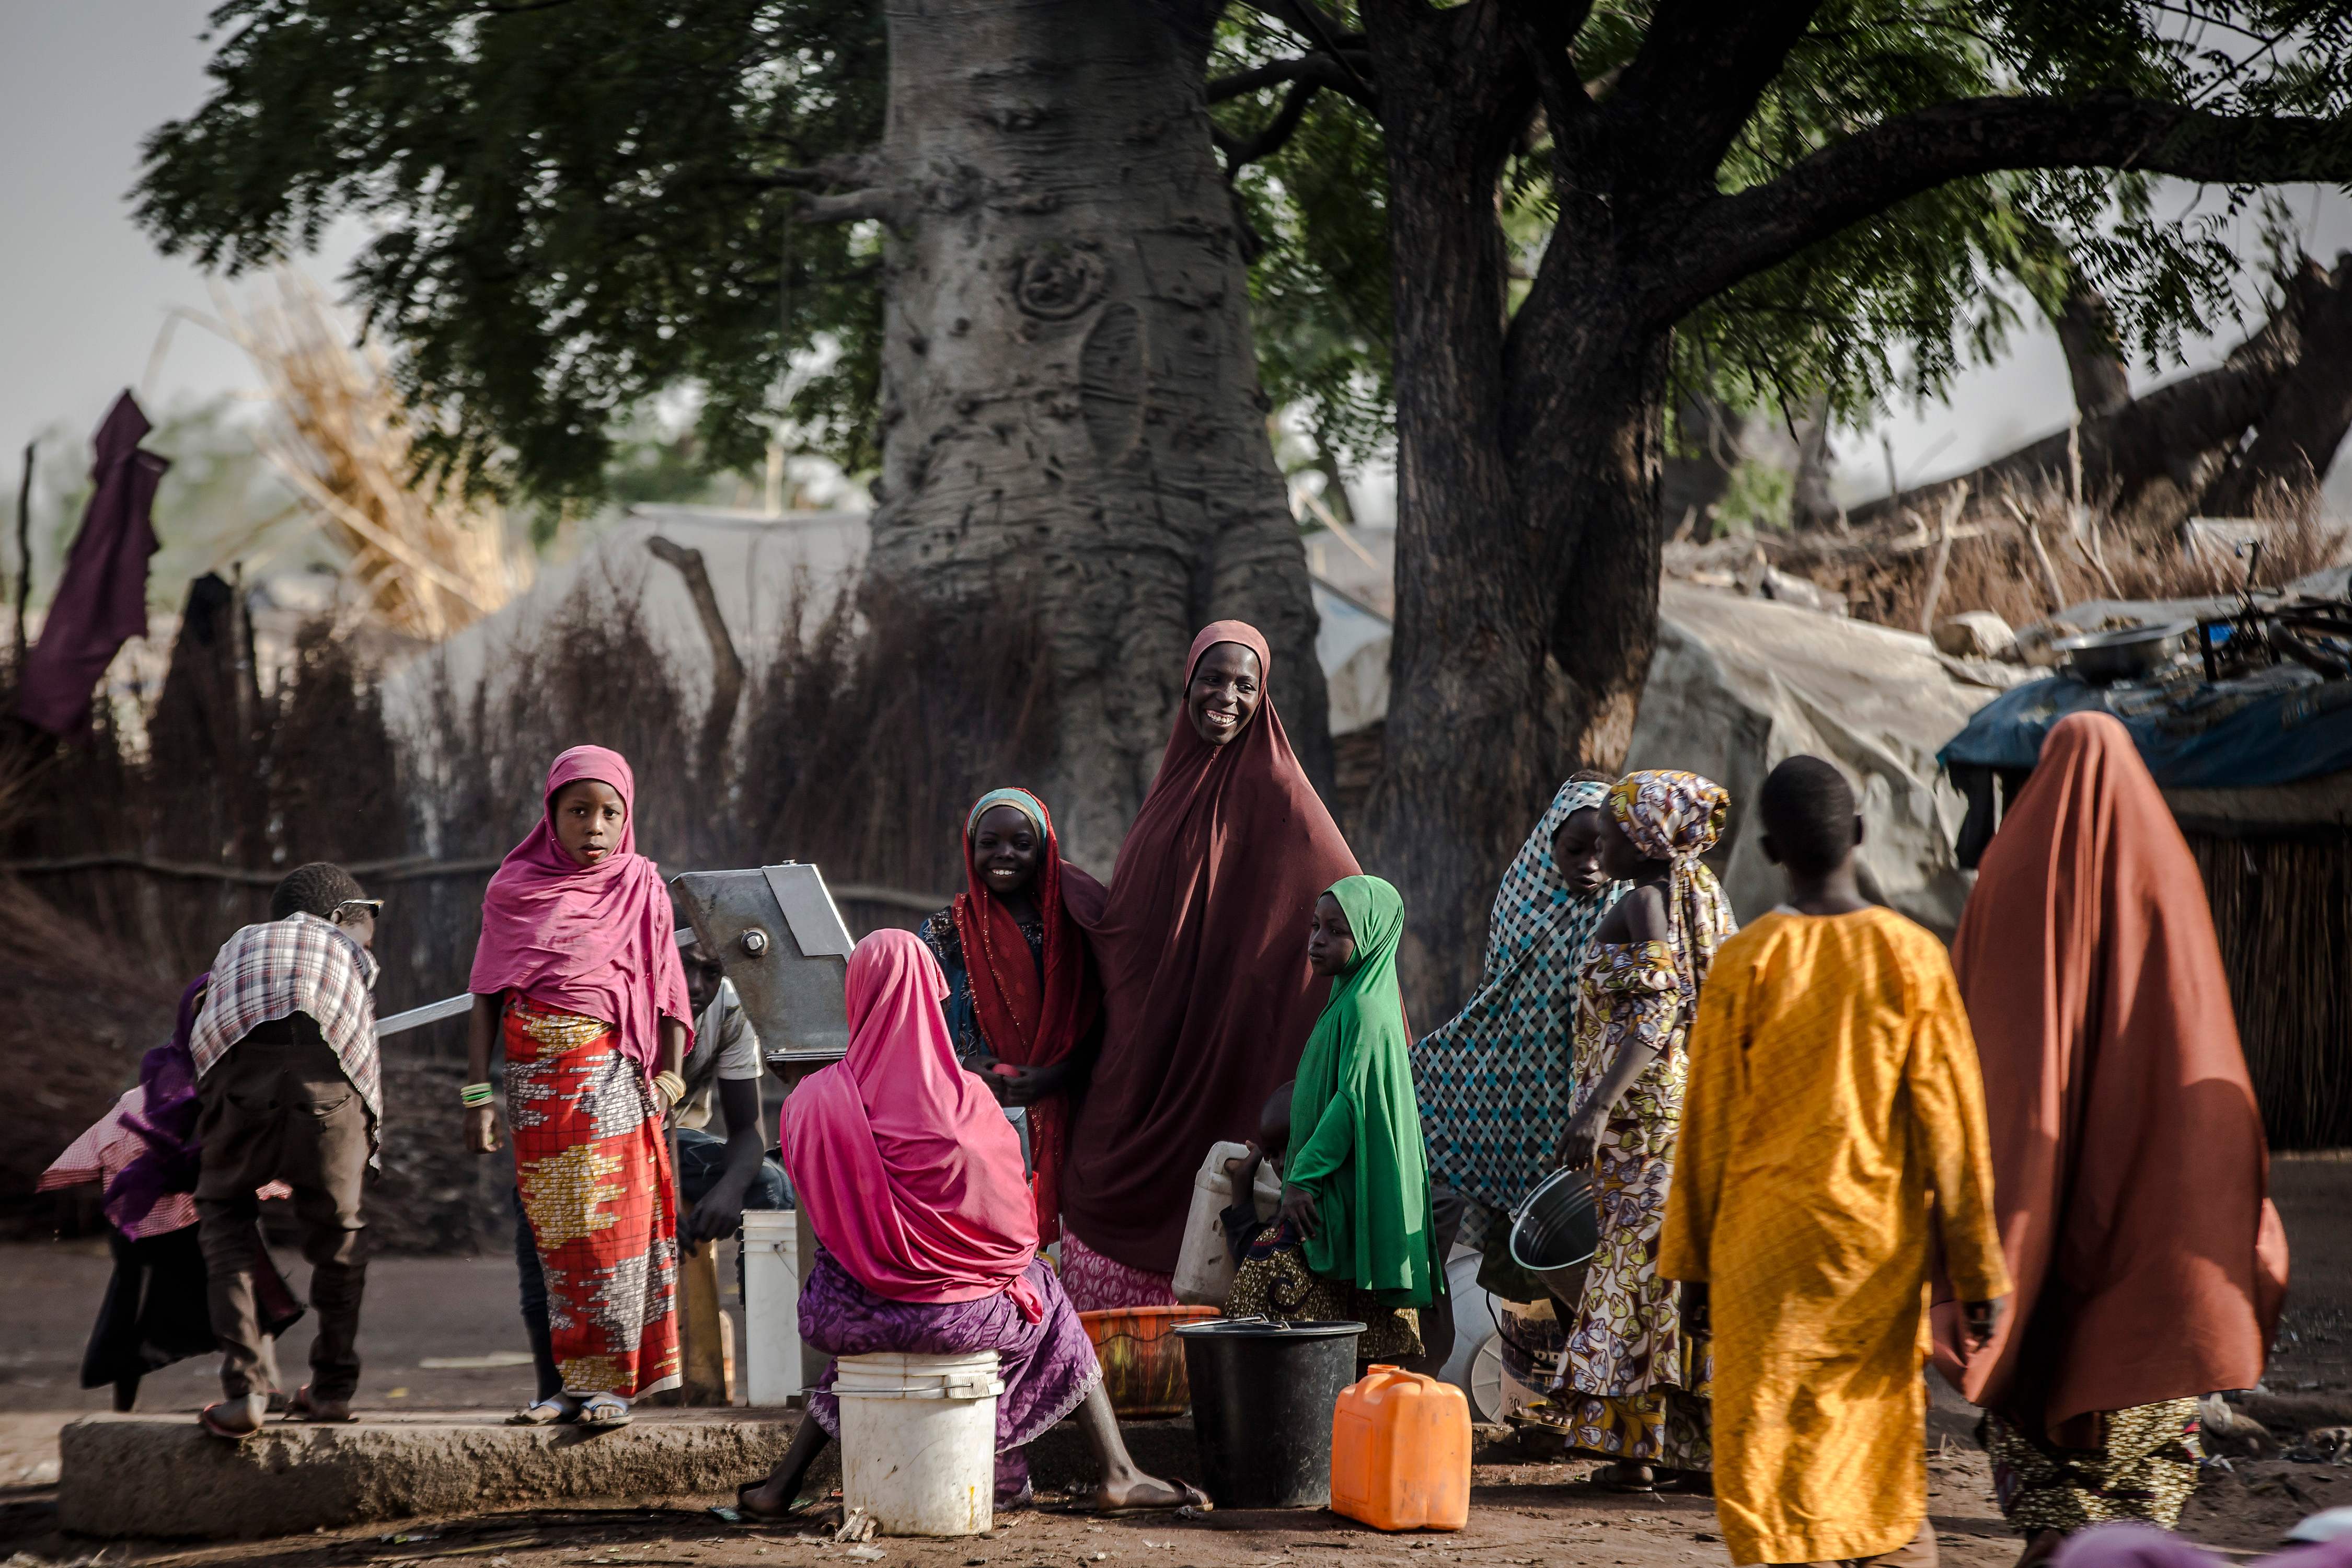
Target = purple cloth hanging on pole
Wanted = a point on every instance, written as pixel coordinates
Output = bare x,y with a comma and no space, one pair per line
101,603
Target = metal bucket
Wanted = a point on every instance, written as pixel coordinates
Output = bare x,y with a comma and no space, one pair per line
1555,1229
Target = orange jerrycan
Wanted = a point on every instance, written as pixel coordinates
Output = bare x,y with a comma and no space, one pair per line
1401,1452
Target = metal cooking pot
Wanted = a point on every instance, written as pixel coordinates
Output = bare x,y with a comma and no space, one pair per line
2127,653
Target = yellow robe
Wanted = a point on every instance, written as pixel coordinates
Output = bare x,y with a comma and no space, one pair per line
1834,1117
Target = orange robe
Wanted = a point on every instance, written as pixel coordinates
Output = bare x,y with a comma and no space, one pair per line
1833,1127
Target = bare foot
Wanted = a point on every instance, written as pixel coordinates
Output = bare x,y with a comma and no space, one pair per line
1140,1493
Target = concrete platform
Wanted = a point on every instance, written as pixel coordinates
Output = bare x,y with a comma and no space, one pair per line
161,1476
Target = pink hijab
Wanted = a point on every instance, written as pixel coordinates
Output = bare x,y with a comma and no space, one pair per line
905,1165
598,940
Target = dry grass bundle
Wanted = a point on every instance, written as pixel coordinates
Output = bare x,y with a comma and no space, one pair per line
2283,910
2024,555
426,557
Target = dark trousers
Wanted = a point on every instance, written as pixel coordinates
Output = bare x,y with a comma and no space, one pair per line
701,1160
276,1107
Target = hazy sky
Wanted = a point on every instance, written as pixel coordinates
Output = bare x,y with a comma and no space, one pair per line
83,295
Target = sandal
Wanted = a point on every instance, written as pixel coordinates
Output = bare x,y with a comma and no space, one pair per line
1617,1477
302,1407
602,1413
1188,1496
557,1410
212,1423
764,1516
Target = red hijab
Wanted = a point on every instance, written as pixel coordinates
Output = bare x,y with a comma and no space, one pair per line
903,1162
1029,1018
1203,951
2130,1174
599,941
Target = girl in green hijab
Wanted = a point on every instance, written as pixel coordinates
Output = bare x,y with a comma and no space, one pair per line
1354,1239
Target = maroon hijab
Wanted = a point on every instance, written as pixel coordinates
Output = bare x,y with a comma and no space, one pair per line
1201,946
2130,1173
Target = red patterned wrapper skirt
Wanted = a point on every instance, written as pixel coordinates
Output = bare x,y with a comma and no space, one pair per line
595,1173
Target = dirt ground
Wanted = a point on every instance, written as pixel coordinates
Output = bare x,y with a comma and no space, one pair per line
1523,1512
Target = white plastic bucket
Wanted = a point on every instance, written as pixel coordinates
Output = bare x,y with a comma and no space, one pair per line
771,1306
919,1440
1205,1266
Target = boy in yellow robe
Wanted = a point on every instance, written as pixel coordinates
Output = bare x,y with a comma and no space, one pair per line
1834,1128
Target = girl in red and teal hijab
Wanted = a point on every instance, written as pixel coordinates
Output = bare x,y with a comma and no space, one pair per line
1356,1179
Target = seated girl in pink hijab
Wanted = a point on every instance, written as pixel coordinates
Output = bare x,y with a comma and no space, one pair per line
912,1177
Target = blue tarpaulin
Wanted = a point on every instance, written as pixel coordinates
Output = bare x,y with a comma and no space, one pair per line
2274,728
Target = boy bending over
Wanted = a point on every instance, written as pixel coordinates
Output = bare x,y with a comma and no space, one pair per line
289,1089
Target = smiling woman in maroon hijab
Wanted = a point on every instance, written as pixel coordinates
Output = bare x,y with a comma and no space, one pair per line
1206,1006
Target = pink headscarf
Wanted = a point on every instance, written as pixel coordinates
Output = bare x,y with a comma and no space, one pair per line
598,940
905,1165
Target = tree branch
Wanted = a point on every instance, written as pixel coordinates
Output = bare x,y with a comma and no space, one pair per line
856,207
1309,21
1323,70
1695,81
1721,239
1277,131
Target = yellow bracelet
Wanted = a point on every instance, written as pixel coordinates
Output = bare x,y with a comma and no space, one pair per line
673,1087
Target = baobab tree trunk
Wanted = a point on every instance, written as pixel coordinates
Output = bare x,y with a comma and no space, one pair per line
1069,396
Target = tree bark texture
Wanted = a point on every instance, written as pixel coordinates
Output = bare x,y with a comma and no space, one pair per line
1529,457
1070,402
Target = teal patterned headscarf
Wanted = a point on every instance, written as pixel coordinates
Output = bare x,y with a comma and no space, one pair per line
1494,1083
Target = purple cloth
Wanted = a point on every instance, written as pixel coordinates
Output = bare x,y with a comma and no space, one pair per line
1047,1367
2146,1546
166,1123
101,602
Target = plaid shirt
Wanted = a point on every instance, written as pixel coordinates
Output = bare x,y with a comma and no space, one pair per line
301,964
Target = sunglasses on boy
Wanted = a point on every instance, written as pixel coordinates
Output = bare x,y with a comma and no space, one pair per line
374,907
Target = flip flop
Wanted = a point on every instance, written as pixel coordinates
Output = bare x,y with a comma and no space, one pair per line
1606,1478
300,1408
602,1413
559,1414
1194,1498
211,1424
749,1515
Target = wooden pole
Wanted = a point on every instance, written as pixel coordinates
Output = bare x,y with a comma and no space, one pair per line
701,1334
2033,538
1959,499
24,549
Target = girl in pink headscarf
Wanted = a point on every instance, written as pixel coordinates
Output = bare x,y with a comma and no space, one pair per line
911,1176
578,977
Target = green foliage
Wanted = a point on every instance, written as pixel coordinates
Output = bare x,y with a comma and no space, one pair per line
576,208
1757,499
1894,305
578,204
1320,290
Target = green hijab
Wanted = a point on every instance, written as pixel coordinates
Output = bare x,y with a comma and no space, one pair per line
1355,1127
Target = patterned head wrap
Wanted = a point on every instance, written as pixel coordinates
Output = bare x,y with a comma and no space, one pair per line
1668,814
1676,818
1020,800
1533,892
